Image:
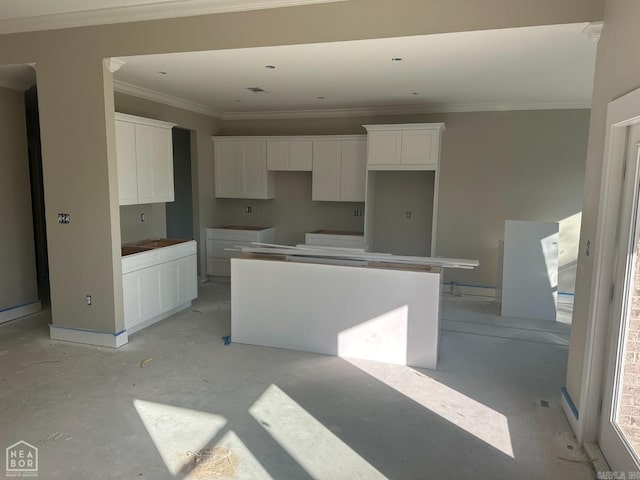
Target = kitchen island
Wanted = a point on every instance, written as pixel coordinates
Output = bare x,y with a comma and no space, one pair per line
359,309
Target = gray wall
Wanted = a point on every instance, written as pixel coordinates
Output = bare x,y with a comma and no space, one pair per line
180,211
77,120
18,283
132,228
397,193
526,165
495,166
615,75
292,211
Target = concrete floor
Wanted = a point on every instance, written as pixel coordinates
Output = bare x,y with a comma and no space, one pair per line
491,410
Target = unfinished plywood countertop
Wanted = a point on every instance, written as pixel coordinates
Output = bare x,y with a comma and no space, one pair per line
148,244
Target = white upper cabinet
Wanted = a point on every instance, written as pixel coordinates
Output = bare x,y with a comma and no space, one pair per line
385,147
240,168
339,169
277,155
289,154
127,168
256,182
154,151
414,146
353,170
227,169
144,151
327,159
300,155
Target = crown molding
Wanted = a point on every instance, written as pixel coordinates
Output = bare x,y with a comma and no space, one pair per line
133,13
593,31
165,99
155,96
403,110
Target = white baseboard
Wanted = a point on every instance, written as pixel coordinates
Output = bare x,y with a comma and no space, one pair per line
20,311
570,411
458,290
565,299
90,337
156,319
218,279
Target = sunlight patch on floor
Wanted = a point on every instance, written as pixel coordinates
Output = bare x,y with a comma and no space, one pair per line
477,419
177,432
318,451
240,464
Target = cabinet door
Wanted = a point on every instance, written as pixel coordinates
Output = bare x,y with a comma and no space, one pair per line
179,282
142,295
418,147
151,293
277,155
254,170
126,157
187,279
227,169
155,164
132,299
171,284
326,170
353,170
300,155
384,148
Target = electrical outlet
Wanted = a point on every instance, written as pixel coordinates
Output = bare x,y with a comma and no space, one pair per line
142,217
357,212
407,214
64,218
248,209
89,300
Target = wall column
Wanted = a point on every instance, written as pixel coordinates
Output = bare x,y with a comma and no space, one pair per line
80,179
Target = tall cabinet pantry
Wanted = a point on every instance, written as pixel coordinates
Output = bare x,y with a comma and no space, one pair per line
403,163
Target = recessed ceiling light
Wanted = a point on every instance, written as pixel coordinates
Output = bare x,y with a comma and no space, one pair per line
270,67
321,98
415,93
161,72
257,90
396,59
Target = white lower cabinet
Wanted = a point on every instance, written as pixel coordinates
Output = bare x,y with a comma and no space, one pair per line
142,291
179,281
348,240
157,282
224,243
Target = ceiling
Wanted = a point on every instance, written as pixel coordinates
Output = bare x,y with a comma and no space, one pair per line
29,15
520,68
